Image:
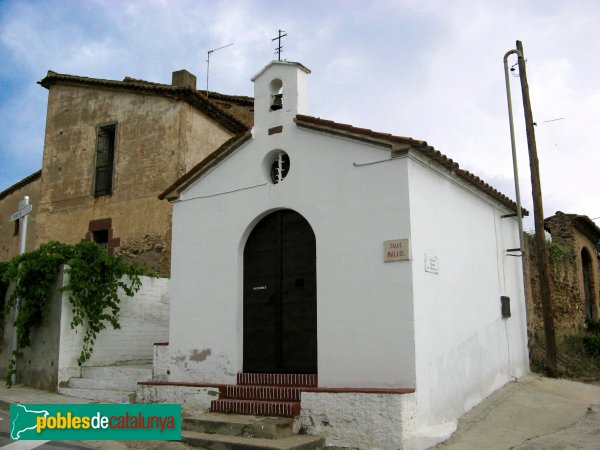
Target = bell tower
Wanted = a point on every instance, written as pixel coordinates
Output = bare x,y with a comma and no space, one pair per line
280,92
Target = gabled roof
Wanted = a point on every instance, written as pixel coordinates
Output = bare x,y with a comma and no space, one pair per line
172,192
19,184
281,63
397,144
232,112
400,144
580,222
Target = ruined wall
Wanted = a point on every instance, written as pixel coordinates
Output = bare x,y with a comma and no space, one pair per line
567,282
9,203
153,135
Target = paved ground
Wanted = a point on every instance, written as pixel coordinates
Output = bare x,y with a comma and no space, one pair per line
21,394
533,413
530,414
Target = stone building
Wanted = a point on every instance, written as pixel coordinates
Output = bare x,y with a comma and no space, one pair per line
322,269
110,148
575,273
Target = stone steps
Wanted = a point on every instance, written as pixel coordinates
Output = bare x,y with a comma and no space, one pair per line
108,384
131,372
241,425
225,442
100,395
100,383
238,432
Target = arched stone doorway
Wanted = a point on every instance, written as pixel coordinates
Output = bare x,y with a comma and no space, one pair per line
280,296
588,283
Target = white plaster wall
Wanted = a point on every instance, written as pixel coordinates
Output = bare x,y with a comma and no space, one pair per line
193,400
295,95
364,306
160,363
464,348
144,320
359,420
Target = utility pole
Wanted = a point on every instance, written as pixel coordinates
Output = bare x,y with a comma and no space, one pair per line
538,214
22,214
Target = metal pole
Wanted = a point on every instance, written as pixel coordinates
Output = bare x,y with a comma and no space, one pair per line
538,214
207,68
208,62
514,148
22,242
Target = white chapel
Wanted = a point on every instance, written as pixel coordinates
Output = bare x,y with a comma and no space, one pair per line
358,275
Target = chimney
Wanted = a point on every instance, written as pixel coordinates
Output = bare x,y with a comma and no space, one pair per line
183,78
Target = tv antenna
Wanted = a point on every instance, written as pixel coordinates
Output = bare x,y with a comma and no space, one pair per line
208,62
279,46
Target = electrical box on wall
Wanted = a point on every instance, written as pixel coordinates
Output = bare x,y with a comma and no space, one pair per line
505,306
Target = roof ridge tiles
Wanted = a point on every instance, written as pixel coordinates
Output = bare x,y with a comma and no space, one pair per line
196,98
418,145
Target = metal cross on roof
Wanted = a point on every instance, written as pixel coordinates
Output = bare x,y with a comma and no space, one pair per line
279,46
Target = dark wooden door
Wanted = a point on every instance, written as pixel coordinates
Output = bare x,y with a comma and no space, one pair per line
280,296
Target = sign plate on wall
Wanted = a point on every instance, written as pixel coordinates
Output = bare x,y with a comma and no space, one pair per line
396,250
432,264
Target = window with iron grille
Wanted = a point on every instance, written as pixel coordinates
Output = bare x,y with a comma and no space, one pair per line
105,151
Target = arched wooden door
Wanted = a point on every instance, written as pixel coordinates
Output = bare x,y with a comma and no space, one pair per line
280,296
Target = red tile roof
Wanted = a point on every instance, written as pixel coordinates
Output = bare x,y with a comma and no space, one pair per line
397,144
393,142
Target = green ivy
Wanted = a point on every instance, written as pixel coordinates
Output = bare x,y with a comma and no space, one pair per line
560,254
92,282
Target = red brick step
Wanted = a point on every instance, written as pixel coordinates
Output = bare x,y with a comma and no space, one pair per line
256,407
268,393
278,379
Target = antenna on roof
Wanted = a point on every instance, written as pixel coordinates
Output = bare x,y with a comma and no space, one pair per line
279,46
208,63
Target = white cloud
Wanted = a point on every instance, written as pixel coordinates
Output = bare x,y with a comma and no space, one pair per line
428,69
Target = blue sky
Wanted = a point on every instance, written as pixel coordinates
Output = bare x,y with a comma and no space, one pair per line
429,69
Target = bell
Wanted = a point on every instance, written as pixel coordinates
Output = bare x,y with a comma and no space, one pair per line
277,102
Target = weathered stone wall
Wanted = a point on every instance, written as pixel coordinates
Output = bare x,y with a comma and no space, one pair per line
39,365
157,140
568,297
9,203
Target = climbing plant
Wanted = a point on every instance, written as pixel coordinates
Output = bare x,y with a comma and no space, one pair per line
92,281
560,254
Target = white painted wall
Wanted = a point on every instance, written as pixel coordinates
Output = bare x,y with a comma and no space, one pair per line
364,307
144,320
359,420
464,348
294,81
379,324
